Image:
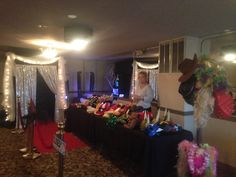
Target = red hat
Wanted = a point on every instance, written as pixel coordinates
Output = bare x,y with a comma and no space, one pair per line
187,67
102,108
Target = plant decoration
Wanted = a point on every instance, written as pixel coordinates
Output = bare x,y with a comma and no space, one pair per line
211,74
204,85
212,95
3,114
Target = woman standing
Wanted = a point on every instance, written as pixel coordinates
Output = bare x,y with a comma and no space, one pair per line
143,93
141,100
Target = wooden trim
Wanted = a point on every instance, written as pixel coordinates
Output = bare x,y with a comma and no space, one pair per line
224,169
231,119
189,113
182,113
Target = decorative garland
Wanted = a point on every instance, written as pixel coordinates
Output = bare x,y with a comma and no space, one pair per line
198,161
147,66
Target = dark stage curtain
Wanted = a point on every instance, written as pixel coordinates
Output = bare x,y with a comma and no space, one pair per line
124,70
45,103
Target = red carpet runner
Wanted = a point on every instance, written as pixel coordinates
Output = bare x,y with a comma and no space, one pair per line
43,138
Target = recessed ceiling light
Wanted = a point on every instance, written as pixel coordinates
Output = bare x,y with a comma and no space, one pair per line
227,30
72,16
79,44
42,26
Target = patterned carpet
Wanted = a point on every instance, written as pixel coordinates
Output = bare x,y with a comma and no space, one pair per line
84,162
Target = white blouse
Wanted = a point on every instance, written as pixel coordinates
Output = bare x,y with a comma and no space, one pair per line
147,94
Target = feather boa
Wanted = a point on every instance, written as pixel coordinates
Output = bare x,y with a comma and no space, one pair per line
204,106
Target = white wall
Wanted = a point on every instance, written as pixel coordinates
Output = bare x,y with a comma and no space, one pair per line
222,135
168,87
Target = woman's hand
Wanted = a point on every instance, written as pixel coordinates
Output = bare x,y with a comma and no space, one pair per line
137,98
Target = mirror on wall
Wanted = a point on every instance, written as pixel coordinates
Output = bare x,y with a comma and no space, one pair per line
222,48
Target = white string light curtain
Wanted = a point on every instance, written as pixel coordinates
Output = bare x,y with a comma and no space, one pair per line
8,90
151,69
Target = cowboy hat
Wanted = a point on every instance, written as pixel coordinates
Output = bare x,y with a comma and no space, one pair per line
187,89
187,67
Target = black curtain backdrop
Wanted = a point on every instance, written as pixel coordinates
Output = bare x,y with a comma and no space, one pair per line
124,70
92,80
45,102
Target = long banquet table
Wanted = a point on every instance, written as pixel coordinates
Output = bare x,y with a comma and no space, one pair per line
158,154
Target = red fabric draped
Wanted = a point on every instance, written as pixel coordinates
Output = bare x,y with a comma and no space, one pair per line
43,138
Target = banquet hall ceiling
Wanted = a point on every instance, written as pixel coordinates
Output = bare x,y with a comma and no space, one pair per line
118,26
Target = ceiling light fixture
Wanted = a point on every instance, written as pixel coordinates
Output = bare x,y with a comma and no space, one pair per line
42,26
49,53
43,42
227,30
230,57
78,36
71,16
79,44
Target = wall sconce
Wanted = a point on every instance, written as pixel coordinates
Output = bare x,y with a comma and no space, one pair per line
229,53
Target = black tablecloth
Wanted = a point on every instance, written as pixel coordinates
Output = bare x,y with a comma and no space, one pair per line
157,154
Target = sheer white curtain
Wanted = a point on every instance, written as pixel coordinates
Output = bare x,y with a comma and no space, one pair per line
153,81
49,74
26,79
55,79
